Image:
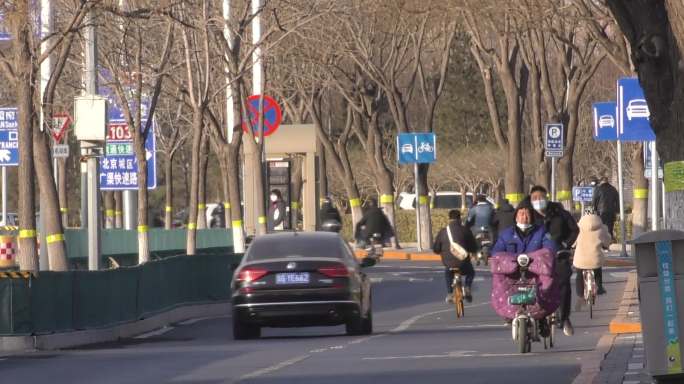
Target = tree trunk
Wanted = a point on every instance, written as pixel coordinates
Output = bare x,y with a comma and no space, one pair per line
143,234
296,195
168,192
109,209
191,244
28,257
640,205
233,166
49,202
202,194
63,200
322,171
514,168
118,209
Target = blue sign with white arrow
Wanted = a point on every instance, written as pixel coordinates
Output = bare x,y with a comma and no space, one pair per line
416,148
633,115
605,121
119,167
9,137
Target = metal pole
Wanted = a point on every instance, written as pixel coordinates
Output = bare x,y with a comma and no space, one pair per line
553,179
621,186
230,117
93,206
663,204
130,208
418,229
654,186
84,192
257,89
45,73
4,195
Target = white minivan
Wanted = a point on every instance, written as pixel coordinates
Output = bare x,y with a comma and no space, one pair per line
442,200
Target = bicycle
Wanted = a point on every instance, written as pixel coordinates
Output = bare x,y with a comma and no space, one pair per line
458,289
589,290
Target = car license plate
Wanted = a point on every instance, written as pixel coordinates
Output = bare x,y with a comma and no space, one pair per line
292,278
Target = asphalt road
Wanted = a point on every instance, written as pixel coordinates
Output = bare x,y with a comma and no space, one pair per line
417,338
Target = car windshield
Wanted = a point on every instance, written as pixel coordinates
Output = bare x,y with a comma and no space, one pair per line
276,247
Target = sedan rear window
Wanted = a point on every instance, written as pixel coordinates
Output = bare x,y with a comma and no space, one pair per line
301,246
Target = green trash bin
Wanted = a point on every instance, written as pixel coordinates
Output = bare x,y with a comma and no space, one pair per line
660,269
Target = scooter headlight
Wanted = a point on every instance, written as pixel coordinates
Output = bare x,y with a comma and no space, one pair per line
523,260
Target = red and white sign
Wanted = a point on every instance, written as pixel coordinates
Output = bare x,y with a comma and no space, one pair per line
118,132
60,125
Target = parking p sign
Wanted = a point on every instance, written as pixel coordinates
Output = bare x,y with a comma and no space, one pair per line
554,142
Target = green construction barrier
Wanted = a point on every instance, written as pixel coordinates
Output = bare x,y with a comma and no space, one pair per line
78,300
122,245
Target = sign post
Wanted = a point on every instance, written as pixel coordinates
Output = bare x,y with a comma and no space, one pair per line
634,124
417,148
9,150
554,144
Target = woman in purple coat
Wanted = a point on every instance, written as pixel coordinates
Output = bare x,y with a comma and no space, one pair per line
531,239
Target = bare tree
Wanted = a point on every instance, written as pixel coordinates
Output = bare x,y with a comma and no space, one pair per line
34,153
496,48
138,67
171,136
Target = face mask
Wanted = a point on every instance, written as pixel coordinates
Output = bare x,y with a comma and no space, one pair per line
539,205
524,227
274,198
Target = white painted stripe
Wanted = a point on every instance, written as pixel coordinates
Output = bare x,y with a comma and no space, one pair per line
275,367
197,320
156,332
406,324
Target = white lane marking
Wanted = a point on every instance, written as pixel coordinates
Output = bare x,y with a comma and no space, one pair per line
197,320
400,328
474,326
156,332
406,324
450,355
275,367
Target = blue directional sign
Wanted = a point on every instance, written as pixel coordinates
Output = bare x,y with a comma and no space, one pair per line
119,167
583,194
605,121
554,141
416,148
633,115
9,137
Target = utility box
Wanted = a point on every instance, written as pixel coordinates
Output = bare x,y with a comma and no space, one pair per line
660,269
90,118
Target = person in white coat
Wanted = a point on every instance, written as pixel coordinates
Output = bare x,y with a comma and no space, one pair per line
593,238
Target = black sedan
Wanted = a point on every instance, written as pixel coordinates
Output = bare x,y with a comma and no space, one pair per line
299,279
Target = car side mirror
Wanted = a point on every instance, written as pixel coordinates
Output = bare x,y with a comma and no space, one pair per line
368,262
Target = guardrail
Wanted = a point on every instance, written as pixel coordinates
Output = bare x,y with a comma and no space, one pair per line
79,300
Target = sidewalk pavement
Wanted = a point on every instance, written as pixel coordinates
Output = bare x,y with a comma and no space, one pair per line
411,252
619,355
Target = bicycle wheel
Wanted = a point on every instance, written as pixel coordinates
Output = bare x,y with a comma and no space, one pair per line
458,298
552,330
523,337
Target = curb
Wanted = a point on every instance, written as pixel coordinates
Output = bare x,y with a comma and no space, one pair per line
591,362
20,344
621,322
